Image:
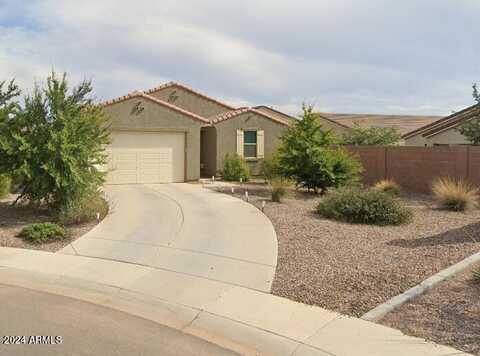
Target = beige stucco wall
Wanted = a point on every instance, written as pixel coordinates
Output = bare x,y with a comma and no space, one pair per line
417,140
158,118
447,137
338,130
227,137
190,102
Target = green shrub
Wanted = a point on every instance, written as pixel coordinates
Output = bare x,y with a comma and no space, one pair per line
364,206
280,187
83,210
235,167
305,156
455,195
43,232
271,168
388,186
54,142
371,136
5,183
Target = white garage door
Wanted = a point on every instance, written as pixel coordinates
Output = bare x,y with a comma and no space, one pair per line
146,157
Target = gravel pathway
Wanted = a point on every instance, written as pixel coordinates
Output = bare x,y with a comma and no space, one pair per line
353,268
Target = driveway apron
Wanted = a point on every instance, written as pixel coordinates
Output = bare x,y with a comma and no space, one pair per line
187,229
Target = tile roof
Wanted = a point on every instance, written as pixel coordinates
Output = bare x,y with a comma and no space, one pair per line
403,123
333,121
184,87
141,94
230,114
447,122
273,112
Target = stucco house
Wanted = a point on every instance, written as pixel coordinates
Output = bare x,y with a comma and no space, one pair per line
443,131
173,133
343,123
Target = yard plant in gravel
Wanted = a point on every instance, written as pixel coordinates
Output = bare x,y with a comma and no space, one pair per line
43,232
306,155
364,206
235,168
455,195
52,144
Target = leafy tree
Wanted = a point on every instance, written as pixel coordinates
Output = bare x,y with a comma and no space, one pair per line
371,136
54,142
305,156
471,128
8,108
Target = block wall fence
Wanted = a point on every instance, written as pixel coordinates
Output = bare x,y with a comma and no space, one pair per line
414,168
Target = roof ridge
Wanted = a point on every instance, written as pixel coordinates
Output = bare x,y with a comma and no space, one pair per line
333,121
139,93
187,88
230,114
383,115
443,120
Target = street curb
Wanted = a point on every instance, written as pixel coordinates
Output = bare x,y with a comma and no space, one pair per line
381,310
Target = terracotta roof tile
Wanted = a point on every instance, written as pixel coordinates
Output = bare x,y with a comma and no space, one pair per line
140,94
175,84
230,114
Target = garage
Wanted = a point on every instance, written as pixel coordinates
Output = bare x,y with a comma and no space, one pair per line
146,157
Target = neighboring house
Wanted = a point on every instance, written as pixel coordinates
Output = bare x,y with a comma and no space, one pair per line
443,131
337,128
402,123
173,133
275,113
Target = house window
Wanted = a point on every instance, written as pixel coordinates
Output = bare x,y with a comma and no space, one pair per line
250,144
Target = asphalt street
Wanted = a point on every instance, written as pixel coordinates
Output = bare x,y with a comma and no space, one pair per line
36,323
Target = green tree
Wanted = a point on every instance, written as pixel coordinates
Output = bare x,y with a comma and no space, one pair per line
471,128
54,142
371,136
306,157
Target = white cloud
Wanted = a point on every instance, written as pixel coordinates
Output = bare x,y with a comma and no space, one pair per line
345,55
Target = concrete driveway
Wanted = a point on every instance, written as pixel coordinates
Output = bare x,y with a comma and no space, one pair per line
187,229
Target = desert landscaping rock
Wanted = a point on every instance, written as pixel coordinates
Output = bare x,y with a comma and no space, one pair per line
14,218
353,268
447,314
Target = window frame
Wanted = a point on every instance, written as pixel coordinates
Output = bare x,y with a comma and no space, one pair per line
250,144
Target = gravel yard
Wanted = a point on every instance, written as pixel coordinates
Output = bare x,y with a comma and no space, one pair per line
353,268
14,218
448,314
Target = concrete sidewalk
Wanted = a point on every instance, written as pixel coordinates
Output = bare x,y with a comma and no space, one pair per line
236,318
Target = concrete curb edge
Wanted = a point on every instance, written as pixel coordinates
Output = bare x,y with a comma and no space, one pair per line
381,310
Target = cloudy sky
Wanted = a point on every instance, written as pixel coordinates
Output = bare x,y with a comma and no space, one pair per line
368,56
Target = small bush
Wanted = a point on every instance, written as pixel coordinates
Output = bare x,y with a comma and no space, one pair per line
280,188
364,206
4,186
235,167
455,195
43,232
83,210
270,168
388,186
